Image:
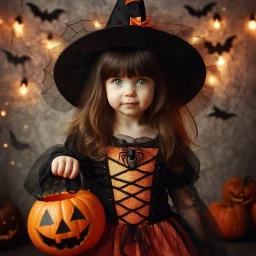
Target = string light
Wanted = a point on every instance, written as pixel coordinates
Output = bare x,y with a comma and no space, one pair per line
212,80
6,103
252,23
25,126
23,87
18,27
221,61
195,39
3,113
1,21
97,24
5,145
216,21
12,163
48,41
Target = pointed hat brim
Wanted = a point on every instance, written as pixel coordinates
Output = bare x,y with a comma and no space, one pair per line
74,64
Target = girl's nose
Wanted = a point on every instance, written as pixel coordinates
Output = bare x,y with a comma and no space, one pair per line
130,91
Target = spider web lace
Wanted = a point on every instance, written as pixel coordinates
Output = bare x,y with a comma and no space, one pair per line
89,22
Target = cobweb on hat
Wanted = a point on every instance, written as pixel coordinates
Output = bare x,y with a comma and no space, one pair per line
89,22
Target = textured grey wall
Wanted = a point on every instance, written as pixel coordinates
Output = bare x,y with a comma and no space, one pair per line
227,147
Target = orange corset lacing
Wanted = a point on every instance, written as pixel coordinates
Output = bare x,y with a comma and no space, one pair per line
132,187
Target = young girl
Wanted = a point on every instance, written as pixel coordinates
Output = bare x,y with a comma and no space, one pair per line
130,83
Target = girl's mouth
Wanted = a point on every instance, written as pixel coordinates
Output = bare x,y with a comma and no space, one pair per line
131,104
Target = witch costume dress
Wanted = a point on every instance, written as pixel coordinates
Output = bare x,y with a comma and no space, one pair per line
132,184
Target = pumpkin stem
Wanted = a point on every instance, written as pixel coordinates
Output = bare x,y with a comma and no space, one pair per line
230,205
245,180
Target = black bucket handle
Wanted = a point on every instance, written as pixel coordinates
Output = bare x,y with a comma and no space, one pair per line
82,183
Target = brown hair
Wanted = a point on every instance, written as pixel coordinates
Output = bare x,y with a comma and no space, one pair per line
93,120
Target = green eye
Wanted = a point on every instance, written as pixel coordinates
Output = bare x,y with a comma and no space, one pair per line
142,81
117,81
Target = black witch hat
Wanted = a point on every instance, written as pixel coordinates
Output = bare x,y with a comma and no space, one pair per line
130,27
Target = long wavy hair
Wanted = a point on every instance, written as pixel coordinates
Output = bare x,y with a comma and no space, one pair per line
93,120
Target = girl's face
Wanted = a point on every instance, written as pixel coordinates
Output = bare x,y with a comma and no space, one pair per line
137,90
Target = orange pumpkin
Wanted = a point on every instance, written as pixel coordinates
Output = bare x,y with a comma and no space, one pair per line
66,224
232,219
253,216
241,191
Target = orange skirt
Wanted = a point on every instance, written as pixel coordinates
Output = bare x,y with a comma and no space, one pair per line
166,238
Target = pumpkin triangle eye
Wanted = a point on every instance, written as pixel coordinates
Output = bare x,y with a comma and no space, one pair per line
77,215
46,220
63,228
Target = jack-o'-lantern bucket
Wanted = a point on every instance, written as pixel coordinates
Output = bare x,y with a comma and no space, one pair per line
66,223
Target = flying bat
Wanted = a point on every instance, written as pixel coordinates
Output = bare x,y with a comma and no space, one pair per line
15,59
220,48
199,13
221,114
16,143
54,15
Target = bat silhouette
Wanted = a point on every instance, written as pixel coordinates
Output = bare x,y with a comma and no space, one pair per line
17,144
221,114
15,59
54,15
199,13
220,48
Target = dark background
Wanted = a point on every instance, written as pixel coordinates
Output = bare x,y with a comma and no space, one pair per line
227,147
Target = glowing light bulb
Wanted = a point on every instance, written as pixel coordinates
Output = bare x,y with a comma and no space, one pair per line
5,145
51,44
97,24
1,21
195,39
216,21
217,24
23,87
18,27
3,113
252,24
25,126
221,61
12,163
212,80
48,42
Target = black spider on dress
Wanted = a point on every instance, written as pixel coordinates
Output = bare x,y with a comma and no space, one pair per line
133,157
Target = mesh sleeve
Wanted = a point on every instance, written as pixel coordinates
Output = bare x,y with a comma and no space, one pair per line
190,175
40,180
198,220
193,212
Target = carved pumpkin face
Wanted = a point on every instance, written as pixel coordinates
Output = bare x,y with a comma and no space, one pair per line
240,190
66,224
10,223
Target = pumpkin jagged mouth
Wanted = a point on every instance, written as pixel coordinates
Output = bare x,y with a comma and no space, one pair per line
10,234
66,242
243,200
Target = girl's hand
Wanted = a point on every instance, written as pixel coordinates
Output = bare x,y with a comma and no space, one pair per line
65,166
